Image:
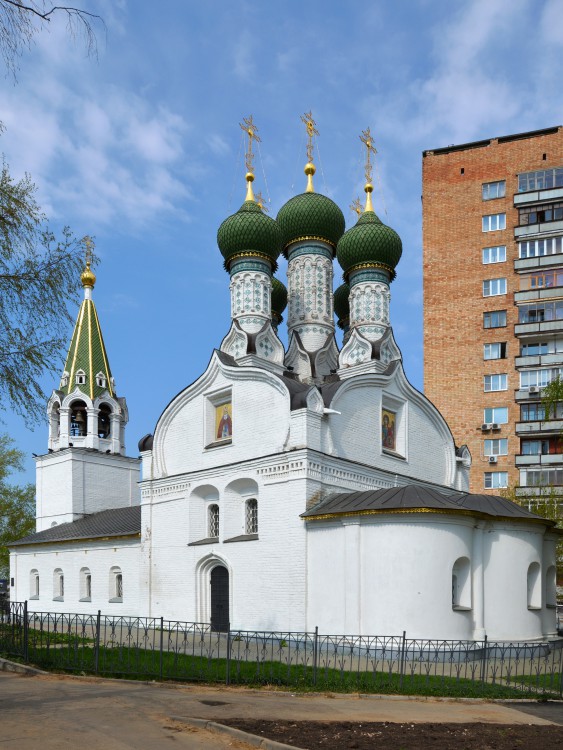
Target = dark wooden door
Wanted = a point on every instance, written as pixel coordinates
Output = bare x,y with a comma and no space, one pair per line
219,599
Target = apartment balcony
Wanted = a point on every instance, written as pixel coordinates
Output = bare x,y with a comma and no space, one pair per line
538,196
538,261
533,393
539,360
545,326
539,492
544,228
534,295
539,427
539,460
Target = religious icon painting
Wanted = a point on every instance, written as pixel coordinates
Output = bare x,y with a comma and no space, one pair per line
224,421
388,421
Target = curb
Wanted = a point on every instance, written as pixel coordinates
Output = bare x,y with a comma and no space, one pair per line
238,734
13,666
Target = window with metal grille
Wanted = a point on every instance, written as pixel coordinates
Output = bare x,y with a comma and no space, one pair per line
252,516
213,521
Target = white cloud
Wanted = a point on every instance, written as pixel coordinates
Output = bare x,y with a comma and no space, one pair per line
242,54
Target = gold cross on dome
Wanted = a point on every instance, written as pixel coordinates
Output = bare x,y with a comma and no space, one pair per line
89,244
251,130
261,202
356,206
310,124
367,140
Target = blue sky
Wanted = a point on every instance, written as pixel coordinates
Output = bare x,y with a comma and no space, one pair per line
142,148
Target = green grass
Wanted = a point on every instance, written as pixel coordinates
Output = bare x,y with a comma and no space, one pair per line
134,663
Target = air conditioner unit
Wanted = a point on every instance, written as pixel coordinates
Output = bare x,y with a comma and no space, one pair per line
495,426
533,389
492,459
485,427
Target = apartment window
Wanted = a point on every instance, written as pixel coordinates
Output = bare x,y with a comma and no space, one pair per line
494,351
541,280
498,414
536,248
496,447
534,350
495,383
540,313
536,447
494,319
496,254
539,214
541,478
493,287
540,179
493,222
532,412
495,480
494,190
539,378
251,509
213,521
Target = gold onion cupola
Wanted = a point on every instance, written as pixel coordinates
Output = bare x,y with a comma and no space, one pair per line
87,368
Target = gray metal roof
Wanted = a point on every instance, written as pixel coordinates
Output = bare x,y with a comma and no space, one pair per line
107,523
415,497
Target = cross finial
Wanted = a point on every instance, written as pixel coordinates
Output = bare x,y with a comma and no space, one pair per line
261,202
356,206
88,244
310,124
88,277
367,140
251,130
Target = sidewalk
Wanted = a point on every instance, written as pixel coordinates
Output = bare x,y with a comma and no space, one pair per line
59,711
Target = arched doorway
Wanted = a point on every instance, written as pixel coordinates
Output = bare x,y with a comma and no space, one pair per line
219,581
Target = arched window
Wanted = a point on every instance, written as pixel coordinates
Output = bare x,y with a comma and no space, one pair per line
101,380
534,586
461,584
34,584
78,419
64,379
104,422
80,377
85,585
251,516
58,585
115,584
213,521
551,587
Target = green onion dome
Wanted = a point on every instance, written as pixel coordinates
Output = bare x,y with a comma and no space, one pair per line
310,216
249,233
279,296
341,298
369,243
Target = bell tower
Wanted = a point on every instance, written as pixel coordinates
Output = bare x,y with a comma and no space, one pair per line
86,469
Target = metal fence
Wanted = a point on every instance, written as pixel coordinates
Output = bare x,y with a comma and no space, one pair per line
154,648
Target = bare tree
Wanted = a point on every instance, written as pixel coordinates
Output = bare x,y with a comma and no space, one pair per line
21,21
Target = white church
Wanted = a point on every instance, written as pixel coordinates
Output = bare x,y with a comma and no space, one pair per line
349,511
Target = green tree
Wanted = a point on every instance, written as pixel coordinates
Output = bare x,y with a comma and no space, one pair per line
17,504
39,276
552,396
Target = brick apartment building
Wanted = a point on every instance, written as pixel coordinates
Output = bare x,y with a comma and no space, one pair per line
493,302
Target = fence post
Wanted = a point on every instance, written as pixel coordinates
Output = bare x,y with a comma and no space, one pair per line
484,660
315,654
161,646
97,641
228,671
402,662
25,633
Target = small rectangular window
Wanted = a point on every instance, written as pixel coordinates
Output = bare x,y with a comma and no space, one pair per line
496,254
495,383
496,480
494,190
494,222
496,447
494,319
494,287
496,415
494,351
